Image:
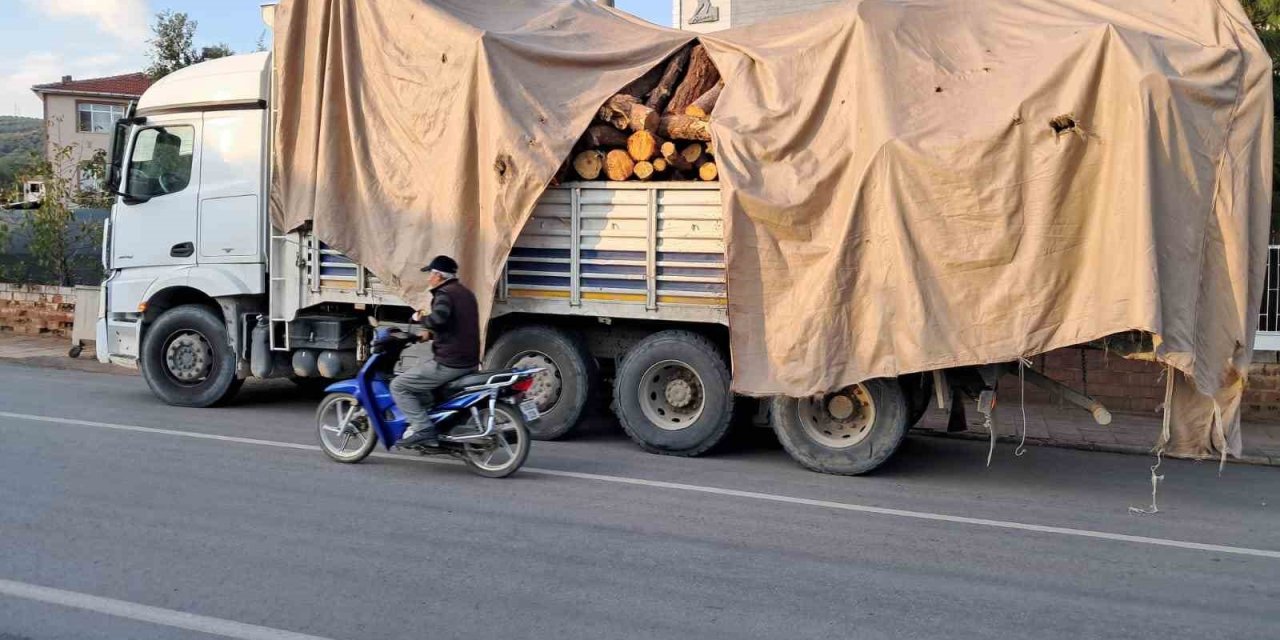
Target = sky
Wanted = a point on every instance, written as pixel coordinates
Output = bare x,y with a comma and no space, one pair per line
43,40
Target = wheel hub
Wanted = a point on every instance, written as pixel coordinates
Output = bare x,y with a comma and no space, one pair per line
189,357
839,420
547,384
679,393
671,395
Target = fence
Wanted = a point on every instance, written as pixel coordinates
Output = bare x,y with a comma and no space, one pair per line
1269,316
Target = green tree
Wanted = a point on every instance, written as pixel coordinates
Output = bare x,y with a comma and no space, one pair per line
173,46
59,244
1265,16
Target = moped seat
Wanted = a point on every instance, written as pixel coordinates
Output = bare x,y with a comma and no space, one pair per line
469,380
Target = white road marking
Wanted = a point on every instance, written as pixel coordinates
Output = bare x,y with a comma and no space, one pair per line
750,495
146,613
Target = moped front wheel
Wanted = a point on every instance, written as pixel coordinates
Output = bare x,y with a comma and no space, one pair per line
344,429
503,453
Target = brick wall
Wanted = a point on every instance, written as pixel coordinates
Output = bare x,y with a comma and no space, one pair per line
1137,385
35,310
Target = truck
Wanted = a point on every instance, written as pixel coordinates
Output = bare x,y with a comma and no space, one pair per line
618,290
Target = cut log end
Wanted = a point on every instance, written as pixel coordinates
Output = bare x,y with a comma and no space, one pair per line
660,165
644,170
588,164
618,165
643,145
708,172
691,153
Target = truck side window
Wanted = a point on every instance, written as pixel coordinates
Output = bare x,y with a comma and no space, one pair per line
161,161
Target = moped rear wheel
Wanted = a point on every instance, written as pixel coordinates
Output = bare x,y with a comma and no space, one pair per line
503,453
344,429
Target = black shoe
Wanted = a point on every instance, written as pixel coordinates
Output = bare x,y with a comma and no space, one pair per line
421,438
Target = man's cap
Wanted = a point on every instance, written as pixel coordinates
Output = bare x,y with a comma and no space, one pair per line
443,264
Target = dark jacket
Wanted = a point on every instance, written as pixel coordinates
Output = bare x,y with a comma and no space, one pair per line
455,321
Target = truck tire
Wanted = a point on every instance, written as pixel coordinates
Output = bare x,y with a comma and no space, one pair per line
671,394
849,432
187,358
562,391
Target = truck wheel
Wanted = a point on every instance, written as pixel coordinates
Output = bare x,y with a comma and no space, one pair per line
187,358
561,392
671,394
849,432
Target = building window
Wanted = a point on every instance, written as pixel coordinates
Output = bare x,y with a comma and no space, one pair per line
97,118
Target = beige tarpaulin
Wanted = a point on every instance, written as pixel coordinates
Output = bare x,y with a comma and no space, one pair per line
909,186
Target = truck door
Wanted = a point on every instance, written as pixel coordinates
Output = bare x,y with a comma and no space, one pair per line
231,181
155,226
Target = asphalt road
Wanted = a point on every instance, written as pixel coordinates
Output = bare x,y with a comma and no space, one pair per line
230,523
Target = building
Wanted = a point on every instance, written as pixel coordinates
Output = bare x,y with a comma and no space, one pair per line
82,113
704,16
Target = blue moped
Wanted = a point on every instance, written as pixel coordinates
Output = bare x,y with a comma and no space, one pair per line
481,421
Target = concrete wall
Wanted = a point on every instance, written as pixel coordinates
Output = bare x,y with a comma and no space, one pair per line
36,310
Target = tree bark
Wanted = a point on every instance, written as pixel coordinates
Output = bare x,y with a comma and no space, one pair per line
618,165
661,94
625,112
641,87
682,127
701,108
604,136
588,164
643,145
700,78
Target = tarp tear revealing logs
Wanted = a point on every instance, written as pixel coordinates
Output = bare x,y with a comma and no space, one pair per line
908,186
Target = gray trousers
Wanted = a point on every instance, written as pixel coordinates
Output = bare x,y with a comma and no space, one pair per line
414,390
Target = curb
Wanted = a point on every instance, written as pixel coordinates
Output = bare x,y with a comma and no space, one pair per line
1248,458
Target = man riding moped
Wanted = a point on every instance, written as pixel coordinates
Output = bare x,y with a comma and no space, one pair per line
453,326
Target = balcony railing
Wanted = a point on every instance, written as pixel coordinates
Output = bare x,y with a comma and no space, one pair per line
1269,316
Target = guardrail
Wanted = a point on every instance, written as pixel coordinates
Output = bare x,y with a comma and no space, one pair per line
1269,315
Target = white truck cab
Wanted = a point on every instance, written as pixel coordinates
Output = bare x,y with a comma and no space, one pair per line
189,227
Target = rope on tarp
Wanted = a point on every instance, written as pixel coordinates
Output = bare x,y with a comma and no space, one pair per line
1023,363
1167,408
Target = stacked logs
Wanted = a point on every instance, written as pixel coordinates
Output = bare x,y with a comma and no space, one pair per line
656,128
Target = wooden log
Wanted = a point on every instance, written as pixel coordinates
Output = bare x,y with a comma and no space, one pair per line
671,75
708,171
700,78
692,153
660,165
625,112
682,127
618,165
641,87
671,154
604,136
644,170
643,145
588,164
701,108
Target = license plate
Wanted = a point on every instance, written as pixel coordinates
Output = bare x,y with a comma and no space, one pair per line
530,410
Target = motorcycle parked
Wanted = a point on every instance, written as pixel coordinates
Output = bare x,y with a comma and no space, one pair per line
481,421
